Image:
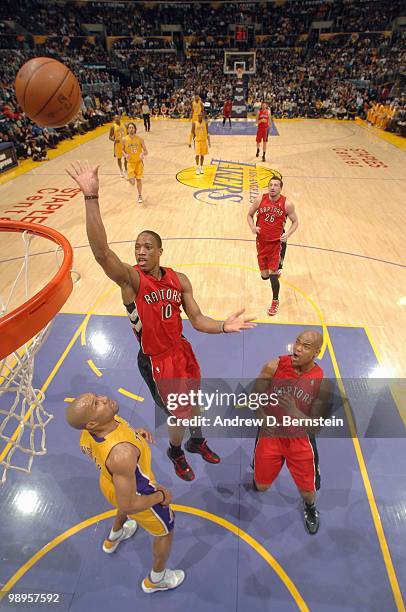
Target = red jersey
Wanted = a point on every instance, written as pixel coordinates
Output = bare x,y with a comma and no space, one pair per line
155,313
263,114
305,390
271,218
227,108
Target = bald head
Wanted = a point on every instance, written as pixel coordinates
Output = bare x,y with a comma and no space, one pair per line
313,336
80,411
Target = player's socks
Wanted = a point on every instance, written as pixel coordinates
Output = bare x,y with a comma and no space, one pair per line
311,518
257,155
202,449
175,451
275,286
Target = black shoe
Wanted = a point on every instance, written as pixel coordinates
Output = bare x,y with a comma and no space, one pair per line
263,158
182,468
257,155
311,518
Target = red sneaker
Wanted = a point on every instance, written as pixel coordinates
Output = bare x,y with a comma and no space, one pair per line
203,450
273,309
182,468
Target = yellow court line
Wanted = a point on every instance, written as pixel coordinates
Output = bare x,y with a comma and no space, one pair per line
94,368
367,484
138,398
278,569
392,387
45,385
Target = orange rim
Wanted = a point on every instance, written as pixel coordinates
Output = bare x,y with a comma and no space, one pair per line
21,324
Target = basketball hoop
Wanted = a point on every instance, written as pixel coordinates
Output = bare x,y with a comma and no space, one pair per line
22,333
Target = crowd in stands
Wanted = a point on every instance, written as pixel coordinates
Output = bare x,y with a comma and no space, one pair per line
343,76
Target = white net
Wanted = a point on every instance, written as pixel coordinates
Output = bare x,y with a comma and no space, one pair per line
23,417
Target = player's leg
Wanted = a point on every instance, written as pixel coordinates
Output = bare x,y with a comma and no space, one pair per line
273,258
224,120
268,462
201,163
264,142
197,158
229,121
139,172
122,529
258,141
160,577
303,466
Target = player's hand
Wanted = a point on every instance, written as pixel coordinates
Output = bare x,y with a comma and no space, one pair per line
190,146
145,434
284,238
168,495
236,322
86,176
256,230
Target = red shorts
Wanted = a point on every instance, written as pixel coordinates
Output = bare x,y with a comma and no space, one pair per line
262,133
269,255
174,372
271,453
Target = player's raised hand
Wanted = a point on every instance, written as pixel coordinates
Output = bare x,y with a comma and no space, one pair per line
237,322
86,176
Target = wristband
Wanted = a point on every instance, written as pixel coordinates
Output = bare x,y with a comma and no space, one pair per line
163,495
222,330
91,197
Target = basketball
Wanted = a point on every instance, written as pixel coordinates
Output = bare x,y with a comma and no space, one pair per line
48,92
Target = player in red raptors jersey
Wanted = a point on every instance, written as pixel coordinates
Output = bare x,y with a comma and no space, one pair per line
153,297
227,110
271,210
302,392
263,123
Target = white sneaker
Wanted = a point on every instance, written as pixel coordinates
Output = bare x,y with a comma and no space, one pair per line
140,200
197,170
129,528
201,170
171,580
122,174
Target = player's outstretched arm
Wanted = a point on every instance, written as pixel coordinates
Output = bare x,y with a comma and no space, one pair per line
111,134
121,463
124,275
235,322
250,216
290,209
144,148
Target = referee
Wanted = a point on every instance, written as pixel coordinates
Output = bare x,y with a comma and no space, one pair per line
146,114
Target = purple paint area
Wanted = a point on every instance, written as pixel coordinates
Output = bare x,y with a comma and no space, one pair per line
339,569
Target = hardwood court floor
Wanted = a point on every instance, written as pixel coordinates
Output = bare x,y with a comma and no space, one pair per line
344,266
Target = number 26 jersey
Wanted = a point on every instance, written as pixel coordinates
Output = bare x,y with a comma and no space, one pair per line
271,218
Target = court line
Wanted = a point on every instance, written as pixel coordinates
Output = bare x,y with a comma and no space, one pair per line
94,368
246,537
138,398
393,581
290,244
379,359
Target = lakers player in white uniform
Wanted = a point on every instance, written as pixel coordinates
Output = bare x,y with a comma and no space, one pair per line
200,133
123,457
116,135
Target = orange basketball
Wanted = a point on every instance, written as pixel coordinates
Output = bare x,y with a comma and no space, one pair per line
48,92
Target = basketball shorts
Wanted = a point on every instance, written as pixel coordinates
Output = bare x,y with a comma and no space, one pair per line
269,255
158,520
201,148
135,169
174,372
301,459
262,133
118,150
